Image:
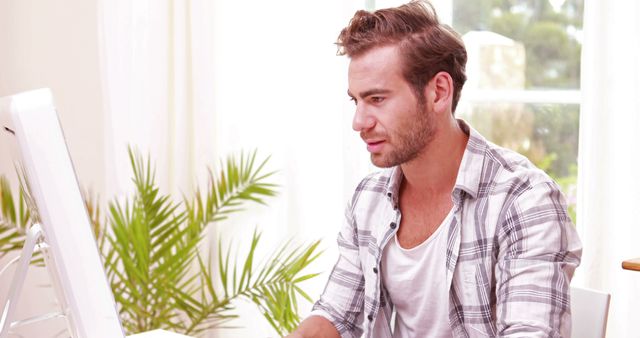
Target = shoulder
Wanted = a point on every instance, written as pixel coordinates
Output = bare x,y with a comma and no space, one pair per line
507,169
489,171
530,198
515,187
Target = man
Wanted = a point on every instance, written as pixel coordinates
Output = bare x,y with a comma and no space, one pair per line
457,237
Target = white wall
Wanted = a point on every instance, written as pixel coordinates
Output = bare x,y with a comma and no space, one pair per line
54,44
47,44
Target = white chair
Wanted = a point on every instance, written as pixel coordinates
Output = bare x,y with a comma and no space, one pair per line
589,312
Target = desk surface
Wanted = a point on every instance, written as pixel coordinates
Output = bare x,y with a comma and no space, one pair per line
631,264
158,334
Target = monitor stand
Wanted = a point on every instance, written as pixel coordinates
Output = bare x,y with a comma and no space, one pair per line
35,242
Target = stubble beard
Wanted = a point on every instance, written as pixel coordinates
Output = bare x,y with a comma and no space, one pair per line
409,139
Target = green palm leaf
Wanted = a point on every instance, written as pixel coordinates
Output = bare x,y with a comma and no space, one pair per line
150,250
14,218
273,285
239,181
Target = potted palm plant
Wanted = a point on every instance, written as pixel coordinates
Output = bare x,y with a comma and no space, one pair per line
151,242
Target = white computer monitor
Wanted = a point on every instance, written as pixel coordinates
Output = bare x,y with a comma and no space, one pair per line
31,120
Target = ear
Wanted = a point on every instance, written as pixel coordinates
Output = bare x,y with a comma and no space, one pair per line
439,91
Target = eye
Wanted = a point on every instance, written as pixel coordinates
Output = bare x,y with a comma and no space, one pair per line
353,99
377,99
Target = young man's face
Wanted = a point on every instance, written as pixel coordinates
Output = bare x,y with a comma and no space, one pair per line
395,126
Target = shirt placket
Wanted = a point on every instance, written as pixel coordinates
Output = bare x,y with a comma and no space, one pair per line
388,229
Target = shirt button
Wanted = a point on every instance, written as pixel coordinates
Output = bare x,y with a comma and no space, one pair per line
375,270
393,225
370,317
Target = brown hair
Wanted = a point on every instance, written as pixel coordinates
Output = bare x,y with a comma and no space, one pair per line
427,46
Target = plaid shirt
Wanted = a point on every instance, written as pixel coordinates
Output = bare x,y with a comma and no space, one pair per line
511,251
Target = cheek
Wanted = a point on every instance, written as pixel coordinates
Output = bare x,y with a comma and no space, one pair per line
396,118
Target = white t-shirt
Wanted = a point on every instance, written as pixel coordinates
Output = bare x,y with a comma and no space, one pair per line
415,279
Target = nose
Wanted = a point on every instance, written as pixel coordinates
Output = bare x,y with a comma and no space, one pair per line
362,120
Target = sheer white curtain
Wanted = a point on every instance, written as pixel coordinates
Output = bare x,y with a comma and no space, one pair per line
155,79
193,81
609,202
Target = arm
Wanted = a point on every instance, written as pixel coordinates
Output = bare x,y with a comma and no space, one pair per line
538,252
315,327
338,313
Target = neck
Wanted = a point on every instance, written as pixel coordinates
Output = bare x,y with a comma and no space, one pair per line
435,169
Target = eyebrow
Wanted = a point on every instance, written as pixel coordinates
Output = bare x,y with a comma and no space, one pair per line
371,92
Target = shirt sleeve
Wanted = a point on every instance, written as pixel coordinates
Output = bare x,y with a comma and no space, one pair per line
343,297
539,251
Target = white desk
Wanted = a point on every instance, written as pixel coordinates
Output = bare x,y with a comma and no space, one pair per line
158,334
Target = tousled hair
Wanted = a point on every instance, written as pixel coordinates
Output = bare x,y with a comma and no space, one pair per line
426,46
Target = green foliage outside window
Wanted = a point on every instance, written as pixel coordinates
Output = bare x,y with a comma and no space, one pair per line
550,38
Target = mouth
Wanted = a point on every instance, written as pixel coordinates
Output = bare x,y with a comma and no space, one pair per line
374,146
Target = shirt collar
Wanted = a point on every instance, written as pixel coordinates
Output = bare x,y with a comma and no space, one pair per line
470,170
393,187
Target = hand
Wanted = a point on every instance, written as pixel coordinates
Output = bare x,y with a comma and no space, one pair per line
315,327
